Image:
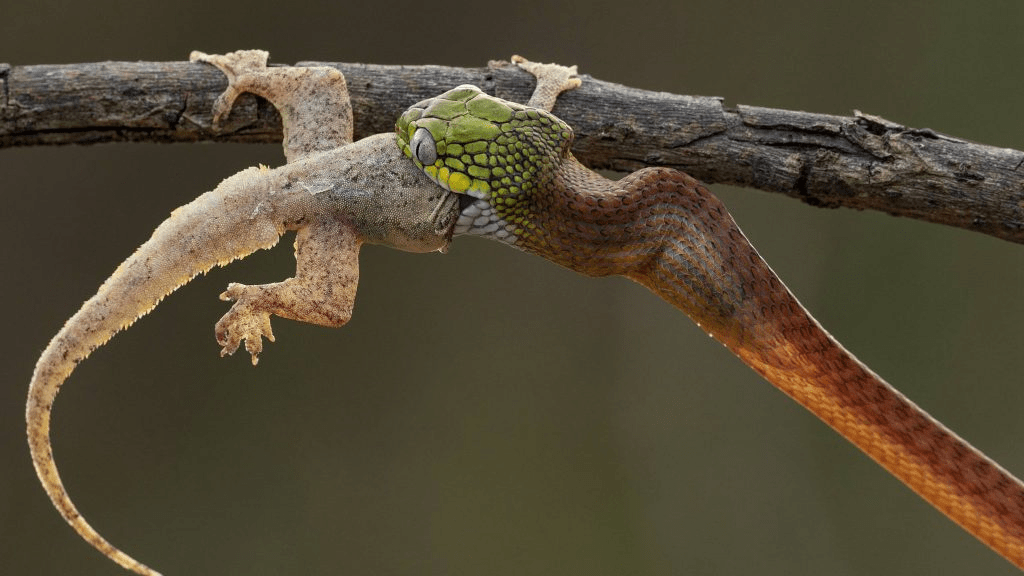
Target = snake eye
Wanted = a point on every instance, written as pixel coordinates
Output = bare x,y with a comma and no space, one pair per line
424,149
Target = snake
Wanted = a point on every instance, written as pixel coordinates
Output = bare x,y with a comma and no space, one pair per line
518,183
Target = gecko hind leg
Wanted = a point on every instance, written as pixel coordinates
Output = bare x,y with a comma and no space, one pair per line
322,292
313,101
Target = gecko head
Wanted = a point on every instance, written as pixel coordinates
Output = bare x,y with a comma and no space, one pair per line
494,153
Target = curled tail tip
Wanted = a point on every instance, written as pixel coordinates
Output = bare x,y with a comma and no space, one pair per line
110,551
127,562
137,567
115,554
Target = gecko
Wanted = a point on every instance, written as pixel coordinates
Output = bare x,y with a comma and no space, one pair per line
335,194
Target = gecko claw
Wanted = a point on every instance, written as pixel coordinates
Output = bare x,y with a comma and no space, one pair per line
244,321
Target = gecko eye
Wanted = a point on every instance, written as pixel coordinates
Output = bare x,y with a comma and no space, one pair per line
424,149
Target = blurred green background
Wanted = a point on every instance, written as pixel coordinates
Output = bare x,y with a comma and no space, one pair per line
486,412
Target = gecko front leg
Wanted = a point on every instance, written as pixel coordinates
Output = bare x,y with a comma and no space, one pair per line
552,80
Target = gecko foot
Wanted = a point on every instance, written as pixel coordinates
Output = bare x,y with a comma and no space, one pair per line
552,80
241,67
246,320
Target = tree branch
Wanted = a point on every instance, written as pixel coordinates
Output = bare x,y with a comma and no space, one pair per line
857,162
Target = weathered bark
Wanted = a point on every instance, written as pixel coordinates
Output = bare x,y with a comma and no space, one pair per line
857,162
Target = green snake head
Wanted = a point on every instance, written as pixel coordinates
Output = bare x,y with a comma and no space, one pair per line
497,153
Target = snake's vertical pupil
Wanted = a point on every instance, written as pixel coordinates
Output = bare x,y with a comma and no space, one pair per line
424,149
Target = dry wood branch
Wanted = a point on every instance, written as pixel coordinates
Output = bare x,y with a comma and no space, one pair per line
857,162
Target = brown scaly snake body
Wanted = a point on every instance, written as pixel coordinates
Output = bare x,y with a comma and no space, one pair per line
664,230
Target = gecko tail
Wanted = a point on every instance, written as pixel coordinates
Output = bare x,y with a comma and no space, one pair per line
230,222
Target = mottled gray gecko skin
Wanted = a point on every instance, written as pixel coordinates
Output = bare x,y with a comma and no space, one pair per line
335,194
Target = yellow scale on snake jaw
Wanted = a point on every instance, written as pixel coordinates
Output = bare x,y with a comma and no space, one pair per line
492,150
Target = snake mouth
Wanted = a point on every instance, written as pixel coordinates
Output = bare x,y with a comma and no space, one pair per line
478,218
465,201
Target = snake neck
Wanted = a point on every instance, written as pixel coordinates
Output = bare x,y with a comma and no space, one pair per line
657,226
